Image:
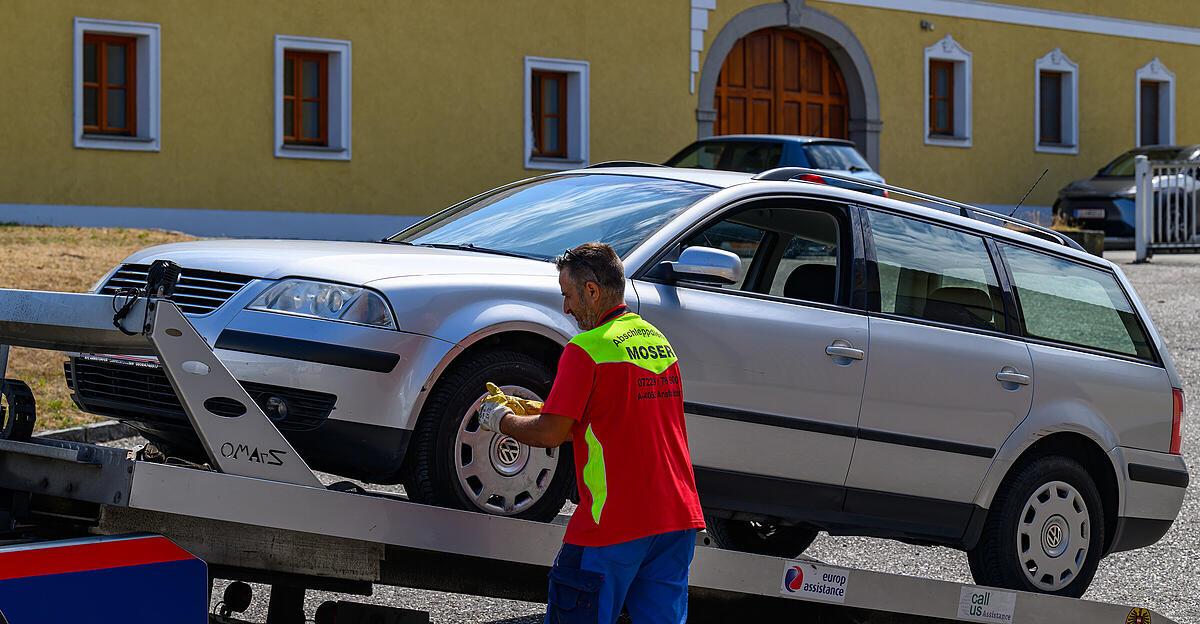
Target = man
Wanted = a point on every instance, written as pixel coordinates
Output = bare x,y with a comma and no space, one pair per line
618,397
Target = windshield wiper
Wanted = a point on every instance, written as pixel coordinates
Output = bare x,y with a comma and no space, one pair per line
856,169
474,247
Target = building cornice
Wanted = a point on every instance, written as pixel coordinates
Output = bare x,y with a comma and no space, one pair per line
1040,18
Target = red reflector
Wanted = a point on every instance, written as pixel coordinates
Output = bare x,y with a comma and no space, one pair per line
1176,420
810,177
885,193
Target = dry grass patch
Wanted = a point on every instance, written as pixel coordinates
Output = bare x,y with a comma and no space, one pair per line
65,259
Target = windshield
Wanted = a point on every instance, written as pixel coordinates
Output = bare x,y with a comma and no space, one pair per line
545,217
742,156
835,156
1124,164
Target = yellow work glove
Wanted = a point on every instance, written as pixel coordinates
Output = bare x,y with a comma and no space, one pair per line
519,406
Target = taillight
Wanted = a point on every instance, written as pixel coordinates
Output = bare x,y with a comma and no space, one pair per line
885,194
1176,420
810,177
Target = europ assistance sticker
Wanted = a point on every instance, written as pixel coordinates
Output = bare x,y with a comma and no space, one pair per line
809,581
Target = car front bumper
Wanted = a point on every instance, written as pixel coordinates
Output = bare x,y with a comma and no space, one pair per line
351,392
1114,215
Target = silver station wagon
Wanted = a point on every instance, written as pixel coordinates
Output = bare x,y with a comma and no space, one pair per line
852,363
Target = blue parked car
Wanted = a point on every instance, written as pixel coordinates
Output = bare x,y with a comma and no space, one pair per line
754,153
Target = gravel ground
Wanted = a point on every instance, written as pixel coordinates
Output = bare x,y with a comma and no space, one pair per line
1164,577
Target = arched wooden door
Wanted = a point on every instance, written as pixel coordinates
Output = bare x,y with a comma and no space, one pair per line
781,82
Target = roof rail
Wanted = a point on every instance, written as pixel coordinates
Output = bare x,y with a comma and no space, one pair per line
789,174
622,163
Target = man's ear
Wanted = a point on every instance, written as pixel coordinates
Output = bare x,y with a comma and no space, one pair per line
593,290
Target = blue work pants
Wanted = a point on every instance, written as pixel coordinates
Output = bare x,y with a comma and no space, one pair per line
646,576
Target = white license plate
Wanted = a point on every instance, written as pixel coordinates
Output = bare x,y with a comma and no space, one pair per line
1089,213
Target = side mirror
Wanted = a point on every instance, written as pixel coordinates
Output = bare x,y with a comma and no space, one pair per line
705,265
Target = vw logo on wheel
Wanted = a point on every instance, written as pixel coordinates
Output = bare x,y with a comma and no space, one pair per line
508,451
1054,536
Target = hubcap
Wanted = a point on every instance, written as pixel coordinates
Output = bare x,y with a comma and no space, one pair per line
498,474
1053,536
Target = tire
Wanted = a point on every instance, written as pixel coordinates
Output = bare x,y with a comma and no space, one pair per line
758,538
1020,548
452,463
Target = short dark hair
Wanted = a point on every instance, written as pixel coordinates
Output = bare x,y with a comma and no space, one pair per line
595,262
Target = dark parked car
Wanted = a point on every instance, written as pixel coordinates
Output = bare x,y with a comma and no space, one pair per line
1106,201
755,153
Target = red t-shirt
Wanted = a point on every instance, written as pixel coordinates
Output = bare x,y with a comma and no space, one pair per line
620,383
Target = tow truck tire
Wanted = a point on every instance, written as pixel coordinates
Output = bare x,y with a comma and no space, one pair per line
1045,531
434,453
17,410
760,539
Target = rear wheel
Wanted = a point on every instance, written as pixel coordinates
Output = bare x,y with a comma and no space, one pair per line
758,537
456,464
1045,531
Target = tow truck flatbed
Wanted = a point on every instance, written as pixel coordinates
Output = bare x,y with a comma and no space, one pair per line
257,513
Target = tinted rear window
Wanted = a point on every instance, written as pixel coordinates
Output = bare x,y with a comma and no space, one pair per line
1075,304
835,156
741,156
935,273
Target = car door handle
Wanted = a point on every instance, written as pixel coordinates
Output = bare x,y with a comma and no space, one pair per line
842,349
1010,375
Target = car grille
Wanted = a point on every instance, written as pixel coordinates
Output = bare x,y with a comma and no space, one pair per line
198,292
140,391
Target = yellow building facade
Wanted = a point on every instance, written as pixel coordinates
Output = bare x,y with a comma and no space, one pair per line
427,103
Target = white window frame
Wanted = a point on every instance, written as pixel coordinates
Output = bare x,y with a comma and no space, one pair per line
1155,71
950,50
148,138
338,127
577,113
1057,62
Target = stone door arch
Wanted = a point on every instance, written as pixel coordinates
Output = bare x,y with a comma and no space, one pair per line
845,51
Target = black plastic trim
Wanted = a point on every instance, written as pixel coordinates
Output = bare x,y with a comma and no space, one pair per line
837,509
1134,533
848,431
370,453
1158,475
770,420
901,439
307,350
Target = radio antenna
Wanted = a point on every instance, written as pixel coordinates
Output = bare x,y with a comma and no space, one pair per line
1014,210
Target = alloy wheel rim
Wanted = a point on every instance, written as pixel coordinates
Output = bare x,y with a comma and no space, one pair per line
1053,536
499,475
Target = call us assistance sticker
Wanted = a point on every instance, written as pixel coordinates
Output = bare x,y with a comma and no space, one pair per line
809,581
976,604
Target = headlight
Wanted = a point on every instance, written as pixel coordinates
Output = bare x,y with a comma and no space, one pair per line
332,302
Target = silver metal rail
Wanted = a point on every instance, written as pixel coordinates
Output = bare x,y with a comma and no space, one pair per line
1167,206
789,174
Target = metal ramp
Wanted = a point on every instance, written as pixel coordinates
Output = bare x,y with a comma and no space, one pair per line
261,515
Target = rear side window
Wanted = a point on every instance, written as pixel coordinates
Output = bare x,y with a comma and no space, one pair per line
835,156
1074,304
935,273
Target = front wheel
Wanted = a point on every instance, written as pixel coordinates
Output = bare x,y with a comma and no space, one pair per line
456,464
1045,531
758,537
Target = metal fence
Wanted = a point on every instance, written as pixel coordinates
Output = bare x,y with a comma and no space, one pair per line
1167,207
